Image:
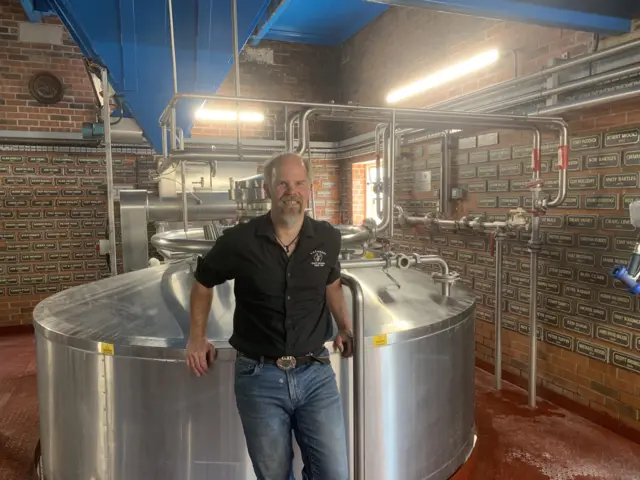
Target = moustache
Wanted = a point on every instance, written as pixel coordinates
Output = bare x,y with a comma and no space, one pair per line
291,198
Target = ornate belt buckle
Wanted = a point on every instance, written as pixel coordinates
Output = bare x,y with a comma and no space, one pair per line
286,363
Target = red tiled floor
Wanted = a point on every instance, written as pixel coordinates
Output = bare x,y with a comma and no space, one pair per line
18,406
514,443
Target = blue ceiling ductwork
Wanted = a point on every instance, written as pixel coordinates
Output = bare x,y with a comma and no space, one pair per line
319,22
612,17
132,39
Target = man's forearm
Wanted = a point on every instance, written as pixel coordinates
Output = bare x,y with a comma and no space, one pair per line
200,305
338,306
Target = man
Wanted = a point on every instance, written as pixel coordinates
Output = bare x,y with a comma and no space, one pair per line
287,280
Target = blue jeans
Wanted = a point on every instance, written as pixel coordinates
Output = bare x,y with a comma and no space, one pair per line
272,403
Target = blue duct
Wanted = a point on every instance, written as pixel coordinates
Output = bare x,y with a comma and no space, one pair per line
131,38
577,18
318,22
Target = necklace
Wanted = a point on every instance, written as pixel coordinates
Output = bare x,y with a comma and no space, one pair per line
288,246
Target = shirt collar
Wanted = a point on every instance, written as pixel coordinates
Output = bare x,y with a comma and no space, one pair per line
265,228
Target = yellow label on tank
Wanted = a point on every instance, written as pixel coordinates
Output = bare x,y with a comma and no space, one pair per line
369,255
106,348
380,340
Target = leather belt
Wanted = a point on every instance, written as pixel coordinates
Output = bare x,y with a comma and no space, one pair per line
288,362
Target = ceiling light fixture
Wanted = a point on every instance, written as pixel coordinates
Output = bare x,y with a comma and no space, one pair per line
228,116
444,76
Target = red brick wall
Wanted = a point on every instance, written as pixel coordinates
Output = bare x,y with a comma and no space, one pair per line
19,61
383,56
353,184
378,60
283,71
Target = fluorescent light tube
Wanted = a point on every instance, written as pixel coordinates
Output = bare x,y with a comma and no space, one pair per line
444,76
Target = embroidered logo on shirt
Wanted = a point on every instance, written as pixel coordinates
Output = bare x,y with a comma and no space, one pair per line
317,258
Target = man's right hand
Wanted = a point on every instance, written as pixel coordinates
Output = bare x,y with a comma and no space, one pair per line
199,353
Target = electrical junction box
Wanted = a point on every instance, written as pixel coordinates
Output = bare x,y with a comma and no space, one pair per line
457,193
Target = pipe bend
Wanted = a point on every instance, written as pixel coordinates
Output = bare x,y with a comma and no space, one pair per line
436,260
304,128
166,241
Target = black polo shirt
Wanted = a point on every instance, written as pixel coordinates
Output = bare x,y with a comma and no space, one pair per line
281,304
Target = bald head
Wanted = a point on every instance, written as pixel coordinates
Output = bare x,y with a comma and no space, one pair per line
283,160
287,183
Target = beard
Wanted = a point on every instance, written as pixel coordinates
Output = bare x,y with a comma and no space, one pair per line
290,208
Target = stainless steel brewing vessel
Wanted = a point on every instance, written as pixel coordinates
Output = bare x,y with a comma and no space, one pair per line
117,402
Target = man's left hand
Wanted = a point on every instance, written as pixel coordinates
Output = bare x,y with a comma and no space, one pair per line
344,343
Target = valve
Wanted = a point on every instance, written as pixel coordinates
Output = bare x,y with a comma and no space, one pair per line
620,272
518,219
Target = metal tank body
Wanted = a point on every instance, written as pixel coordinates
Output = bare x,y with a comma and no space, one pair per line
118,403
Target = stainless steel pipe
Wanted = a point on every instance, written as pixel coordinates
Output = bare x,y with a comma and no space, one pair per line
501,87
171,211
183,176
357,297
591,102
354,235
445,176
392,172
106,120
533,345
203,156
411,114
563,165
499,237
195,246
379,128
236,70
567,87
290,140
412,261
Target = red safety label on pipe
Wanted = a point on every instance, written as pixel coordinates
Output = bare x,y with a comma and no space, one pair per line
536,166
563,157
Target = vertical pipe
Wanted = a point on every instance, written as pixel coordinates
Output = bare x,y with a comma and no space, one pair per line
499,236
290,140
106,119
173,48
165,150
236,69
286,129
183,175
534,248
384,223
392,172
380,127
445,177
533,353
173,140
175,76
180,140
313,187
563,164
536,154
358,373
